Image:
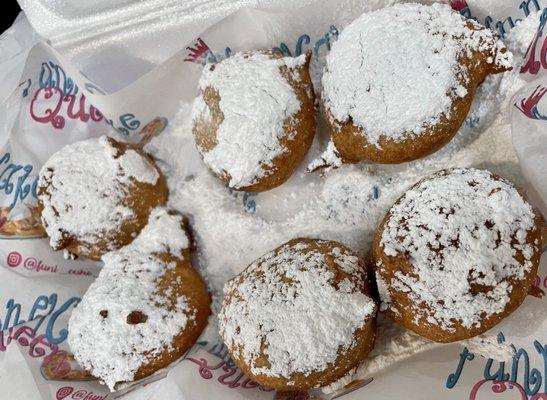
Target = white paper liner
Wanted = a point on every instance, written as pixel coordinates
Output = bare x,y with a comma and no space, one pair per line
44,287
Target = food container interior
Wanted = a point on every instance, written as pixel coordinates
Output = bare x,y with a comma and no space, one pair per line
73,70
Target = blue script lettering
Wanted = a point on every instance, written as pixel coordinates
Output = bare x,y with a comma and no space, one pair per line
43,307
453,378
9,172
127,122
531,379
508,23
53,75
500,374
42,303
50,336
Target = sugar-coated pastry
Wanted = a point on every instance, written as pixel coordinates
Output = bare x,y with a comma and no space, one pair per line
96,195
456,254
145,310
300,316
399,82
254,118
61,366
21,220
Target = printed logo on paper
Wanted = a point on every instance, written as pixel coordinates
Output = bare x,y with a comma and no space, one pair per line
43,316
69,392
58,99
536,55
529,106
526,7
215,363
488,388
458,5
61,366
14,259
200,53
19,213
39,336
519,376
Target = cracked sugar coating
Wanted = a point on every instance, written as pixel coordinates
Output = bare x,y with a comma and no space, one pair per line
456,252
130,315
84,189
396,71
295,312
245,112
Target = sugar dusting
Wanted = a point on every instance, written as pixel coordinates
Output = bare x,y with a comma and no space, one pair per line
395,72
255,101
489,347
345,205
88,182
460,228
100,335
288,299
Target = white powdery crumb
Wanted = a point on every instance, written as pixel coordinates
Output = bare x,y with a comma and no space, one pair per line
330,158
350,196
489,347
342,206
88,182
163,235
109,347
383,292
520,36
138,168
348,262
517,40
458,228
255,100
395,71
201,110
305,323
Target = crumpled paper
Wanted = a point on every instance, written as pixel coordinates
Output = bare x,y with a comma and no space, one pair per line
56,95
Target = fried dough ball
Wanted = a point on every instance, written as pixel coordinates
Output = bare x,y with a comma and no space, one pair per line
96,195
456,254
145,310
399,81
254,118
300,316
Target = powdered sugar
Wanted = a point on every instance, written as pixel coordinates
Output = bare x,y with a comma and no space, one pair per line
255,100
137,167
329,159
383,292
520,36
288,299
460,229
100,335
348,262
395,72
490,347
87,183
346,205
490,149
